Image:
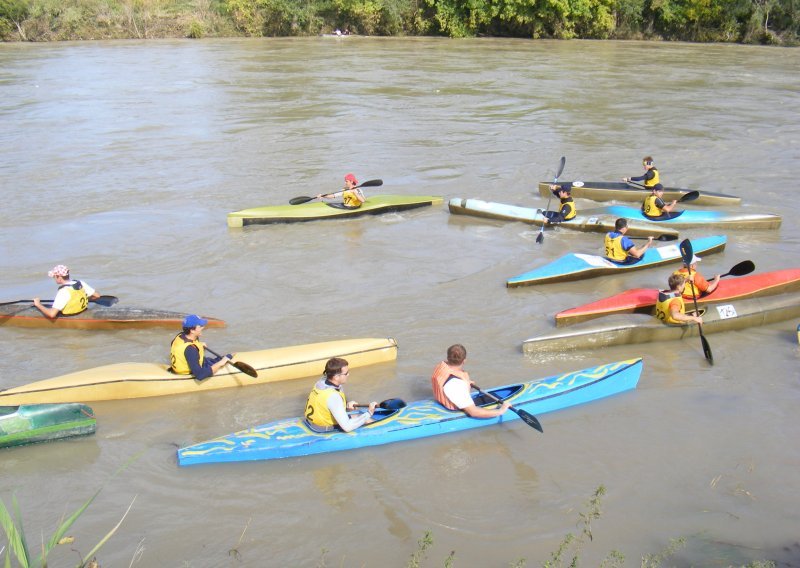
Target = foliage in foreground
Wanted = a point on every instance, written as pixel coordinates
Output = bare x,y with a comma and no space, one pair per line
747,21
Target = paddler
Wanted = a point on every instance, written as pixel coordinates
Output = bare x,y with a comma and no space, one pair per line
187,352
650,177
619,248
567,211
696,286
327,408
670,307
654,206
352,197
452,386
72,297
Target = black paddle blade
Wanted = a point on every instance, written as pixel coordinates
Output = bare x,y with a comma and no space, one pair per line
371,183
690,196
245,368
687,252
540,237
529,419
105,301
706,348
666,238
744,267
301,199
393,404
561,165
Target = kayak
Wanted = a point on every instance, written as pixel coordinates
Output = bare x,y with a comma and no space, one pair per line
576,266
639,328
581,222
643,300
95,317
694,219
420,419
315,210
136,380
44,422
621,191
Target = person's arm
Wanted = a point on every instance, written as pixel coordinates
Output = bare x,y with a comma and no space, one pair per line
638,252
675,310
329,195
667,207
345,421
91,293
49,313
480,412
704,286
359,195
205,370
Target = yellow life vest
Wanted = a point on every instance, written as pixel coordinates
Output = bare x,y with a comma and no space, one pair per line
570,203
662,306
613,246
177,354
689,285
317,412
78,300
350,198
649,183
649,207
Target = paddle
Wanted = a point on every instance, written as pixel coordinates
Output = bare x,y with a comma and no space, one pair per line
243,367
306,198
688,196
527,417
658,238
102,301
388,404
744,267
540,238
687,252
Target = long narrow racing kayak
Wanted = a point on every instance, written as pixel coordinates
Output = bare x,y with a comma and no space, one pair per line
420,419
44,422
621,191
316,210
639,328
136,380
96,317
581,222
694,219
643,300
576,266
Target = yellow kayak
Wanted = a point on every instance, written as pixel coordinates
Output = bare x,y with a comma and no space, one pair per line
137,380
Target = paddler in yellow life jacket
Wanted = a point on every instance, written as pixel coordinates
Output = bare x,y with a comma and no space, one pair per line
72,297
654,206
567,211
650,177
619,248
327,408
696,283
670,307
452,386
187,352
352,197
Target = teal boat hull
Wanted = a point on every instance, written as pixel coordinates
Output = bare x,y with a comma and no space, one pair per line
34,423
579,266
420,419
694,219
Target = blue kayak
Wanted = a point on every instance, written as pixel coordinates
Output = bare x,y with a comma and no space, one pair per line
693,219
577,266
291,437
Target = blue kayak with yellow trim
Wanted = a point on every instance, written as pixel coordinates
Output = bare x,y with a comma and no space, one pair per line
420,419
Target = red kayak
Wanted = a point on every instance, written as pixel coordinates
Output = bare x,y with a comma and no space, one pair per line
643,300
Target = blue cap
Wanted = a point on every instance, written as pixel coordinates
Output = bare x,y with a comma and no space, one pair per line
192,321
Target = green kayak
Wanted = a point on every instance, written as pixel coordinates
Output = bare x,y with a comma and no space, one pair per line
316,210
31,423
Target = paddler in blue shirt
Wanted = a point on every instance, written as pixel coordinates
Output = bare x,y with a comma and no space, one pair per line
187,352
567,211
327,408
620,249
72,297
654,206
352,197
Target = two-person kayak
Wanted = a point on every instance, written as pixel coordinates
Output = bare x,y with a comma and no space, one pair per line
137,380
621,191
420,419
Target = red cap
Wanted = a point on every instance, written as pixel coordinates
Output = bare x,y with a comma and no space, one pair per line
351,177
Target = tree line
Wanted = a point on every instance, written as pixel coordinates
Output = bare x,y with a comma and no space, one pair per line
774,22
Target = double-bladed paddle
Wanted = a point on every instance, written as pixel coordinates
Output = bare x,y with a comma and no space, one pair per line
540,237
688,196
306,198
687,253
388,404
243,367
744,267
101,301
658,238
527,417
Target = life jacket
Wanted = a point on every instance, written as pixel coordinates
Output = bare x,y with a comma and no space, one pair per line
441,374
177,354
649,207
570,203
613,246
78,300
649,183
350,198
665,298
689,286
317,412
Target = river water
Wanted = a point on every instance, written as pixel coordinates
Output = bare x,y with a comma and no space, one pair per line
122,159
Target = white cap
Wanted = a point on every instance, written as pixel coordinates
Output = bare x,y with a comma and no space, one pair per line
695,259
